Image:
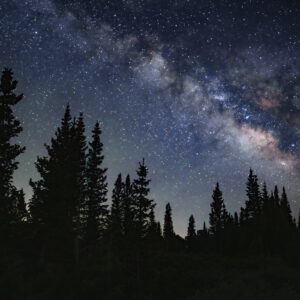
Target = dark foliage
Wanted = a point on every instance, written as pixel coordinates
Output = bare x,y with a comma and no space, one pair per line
95,209
71,246
168,223
10,198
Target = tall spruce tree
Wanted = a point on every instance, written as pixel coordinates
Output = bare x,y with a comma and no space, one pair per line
142,205
116,211
168,223
204,229
218,214
285,206
236,219
19,211
158,229
57,195
127,209
95,209
78,153
154,231
272,199
50,202
191,231
276,196
152,221
9,129
36,203
242,216
265,198
253,203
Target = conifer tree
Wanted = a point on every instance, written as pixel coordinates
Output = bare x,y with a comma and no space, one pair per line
201,233
116,213
50,200
265,198
96,209
57,193
191,231
36,203
168,223
152,221
127,209
9,129
158,229
276,196
229,219
154,231
236,219
20,209
285,206
218,214
253,203
205,231
142,205
78,153
272,200
284,203
242,216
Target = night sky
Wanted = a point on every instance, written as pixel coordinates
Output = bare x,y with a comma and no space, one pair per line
203,90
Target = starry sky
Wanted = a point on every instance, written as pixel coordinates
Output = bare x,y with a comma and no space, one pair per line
202,89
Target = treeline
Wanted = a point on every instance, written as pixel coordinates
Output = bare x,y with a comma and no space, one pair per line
68,221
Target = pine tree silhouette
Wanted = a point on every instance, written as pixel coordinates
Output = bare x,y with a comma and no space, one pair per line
191,231
116,212
154,232
9,129
265,198
158,229
218,214
253,203
57,193
152,227
142,205
236,219
20,210
242,216
205,231
285,206
168,223
272,200
276,196
127,207
96,209
78,153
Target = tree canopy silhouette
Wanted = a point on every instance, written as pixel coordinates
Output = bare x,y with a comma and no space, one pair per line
73,245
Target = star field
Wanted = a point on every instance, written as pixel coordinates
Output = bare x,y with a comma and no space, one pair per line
203,90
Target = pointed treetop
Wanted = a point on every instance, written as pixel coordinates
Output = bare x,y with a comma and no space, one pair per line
191,232
218,215
97,129
284,203
168,222
66,120
276,195
7,86
127,180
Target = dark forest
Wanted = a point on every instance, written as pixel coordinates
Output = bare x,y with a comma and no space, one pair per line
71,242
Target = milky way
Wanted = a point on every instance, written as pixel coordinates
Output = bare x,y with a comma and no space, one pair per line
203,90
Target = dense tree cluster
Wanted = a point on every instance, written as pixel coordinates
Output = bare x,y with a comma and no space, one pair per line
12,206
68,222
